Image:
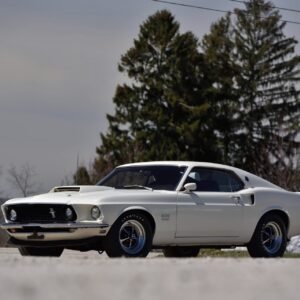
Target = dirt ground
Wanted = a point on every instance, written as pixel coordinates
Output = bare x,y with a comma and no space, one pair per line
89,275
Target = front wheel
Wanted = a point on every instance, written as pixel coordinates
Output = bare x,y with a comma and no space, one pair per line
269,238
35,251
130,236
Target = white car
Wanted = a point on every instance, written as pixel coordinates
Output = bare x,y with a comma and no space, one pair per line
179,207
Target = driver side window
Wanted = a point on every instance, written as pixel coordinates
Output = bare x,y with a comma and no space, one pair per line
214,180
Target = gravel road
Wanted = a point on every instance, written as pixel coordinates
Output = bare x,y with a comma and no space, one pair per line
90,276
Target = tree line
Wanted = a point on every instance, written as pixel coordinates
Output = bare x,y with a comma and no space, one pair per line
231,97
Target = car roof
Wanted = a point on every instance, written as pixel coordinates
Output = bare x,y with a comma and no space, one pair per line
178,163
249,179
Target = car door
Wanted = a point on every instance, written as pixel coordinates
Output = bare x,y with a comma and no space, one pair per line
214,210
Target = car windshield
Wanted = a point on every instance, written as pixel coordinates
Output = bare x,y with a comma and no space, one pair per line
144,177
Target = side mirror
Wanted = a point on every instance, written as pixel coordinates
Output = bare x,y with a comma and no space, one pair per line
189,187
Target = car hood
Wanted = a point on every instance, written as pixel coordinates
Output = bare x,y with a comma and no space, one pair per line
89,194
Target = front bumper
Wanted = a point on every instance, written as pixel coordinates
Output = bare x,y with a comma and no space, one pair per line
7,226
55,231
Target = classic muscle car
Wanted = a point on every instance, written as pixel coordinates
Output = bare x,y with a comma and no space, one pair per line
178,207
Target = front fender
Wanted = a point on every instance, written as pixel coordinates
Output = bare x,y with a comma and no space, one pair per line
129,208
111,215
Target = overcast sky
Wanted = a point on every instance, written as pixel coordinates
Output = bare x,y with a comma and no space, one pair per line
58,73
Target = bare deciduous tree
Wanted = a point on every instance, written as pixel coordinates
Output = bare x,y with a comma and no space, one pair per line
22,179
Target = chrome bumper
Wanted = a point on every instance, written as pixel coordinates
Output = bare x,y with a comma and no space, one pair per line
7,226
54,232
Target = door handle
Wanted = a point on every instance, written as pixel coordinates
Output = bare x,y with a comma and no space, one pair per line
236,199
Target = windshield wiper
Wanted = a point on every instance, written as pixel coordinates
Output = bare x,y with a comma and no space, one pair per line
134,186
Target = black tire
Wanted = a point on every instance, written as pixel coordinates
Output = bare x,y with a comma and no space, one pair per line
130,236
269,238
35,251
181,251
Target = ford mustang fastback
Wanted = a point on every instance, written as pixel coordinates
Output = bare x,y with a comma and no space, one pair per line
179,207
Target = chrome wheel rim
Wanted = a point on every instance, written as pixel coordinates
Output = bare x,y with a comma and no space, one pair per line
271,237
132,237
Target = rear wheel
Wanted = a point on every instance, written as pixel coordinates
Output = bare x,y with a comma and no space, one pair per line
130,236
35,251
269,238
181,251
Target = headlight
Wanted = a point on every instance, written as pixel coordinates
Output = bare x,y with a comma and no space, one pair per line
69,214
95,212
12,215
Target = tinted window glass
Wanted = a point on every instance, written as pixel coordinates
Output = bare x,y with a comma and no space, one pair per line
155,177
214,180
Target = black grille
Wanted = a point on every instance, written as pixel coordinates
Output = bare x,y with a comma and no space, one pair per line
41,213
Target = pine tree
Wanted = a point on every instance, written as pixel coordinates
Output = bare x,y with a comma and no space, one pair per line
254,95
161,114
218,50
269,98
